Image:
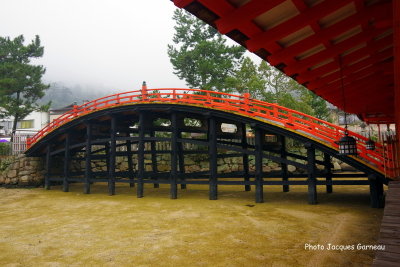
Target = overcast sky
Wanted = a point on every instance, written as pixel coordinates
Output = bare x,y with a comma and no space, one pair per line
113,44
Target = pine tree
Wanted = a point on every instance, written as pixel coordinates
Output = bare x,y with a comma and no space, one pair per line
20,81
200,55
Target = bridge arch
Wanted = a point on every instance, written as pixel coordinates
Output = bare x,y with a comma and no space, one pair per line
123,125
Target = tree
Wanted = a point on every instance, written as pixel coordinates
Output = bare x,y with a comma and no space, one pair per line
247,79
20,81
200,55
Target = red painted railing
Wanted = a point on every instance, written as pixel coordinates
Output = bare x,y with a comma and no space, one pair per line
322,131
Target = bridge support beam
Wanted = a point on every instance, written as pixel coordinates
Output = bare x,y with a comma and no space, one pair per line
247,187
174,156
312,181
181,161
258,164
140,156
48,168
328,172
376,192
154,158
284,165
212,150
130,163
67,159
112,156
88,159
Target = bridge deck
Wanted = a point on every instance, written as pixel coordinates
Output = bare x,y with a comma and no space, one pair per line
381,158
390,229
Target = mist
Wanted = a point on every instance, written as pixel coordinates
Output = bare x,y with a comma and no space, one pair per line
104,45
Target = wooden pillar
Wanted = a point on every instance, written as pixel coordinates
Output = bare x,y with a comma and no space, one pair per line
140,156
174,157
181,161
376,192
212,150
48,168
112,156
285,176
153,158
258,164
88,158
67,159
328,171
245,158
130,163
396,64
312,181
107,152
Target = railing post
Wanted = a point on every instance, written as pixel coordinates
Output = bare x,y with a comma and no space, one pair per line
246,101
75,110
144,91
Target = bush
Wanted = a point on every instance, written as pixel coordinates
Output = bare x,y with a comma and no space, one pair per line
5,149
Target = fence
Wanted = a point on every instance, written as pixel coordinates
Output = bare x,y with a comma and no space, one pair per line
19,144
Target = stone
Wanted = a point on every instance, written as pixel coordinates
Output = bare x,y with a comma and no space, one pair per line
15,165
12,173
24,179
291,168
189,161
22,173
266,168
223,168
346,167
124,166
336,166
321,167
163,168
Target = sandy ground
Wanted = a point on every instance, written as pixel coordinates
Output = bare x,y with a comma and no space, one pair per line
53,228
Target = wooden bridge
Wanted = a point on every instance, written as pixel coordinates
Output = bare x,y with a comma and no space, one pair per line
123,125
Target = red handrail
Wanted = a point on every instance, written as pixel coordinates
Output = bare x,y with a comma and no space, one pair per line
322,131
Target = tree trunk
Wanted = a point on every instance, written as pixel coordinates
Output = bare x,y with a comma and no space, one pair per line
16,118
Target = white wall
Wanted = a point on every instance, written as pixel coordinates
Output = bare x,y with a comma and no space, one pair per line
40,119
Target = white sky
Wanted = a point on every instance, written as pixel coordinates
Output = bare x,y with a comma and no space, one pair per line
112,44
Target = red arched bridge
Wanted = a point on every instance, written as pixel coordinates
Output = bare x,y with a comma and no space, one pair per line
132,125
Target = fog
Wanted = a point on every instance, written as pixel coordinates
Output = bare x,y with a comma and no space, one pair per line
103,44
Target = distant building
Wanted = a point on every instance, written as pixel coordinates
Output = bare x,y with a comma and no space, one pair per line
29,125
57,112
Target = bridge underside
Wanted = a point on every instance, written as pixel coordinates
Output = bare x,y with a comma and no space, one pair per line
142,134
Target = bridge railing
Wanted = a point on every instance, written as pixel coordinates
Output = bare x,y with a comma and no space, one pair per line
304,124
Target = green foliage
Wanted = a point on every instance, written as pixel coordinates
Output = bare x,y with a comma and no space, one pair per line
5,162
20,82
5,149
200,55
201,58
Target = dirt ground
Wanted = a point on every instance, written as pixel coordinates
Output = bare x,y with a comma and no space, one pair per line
53,228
